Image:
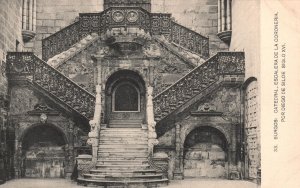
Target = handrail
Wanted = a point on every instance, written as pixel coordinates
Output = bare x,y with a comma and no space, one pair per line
190,40
196,81
48,78
61,40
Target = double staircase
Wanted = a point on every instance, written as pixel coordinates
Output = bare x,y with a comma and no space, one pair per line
123,160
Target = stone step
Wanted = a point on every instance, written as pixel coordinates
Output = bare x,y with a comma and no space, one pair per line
119,162
122,146
122,167
127,125
117,138
123,141
118,150
123,135
122,155
122,158
118,172
123,129
119,142
122,183
123,177
118,145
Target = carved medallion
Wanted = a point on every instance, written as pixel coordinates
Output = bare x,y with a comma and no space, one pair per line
132,16
118,16
43,118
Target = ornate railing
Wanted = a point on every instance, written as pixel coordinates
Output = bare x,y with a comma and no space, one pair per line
161,24
189,39
25,65
90,23
123,18
60,41
195,82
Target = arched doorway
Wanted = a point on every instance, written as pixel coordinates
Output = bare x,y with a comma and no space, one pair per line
205,154
125,99
43,152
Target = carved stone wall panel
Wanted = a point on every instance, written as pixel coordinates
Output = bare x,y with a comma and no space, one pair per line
252,129
168,69
81,68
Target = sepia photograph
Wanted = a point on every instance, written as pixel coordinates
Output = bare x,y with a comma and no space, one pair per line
135,93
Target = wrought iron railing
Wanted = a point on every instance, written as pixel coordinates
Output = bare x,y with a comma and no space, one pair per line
125,17
195,82
189,39
60,41
25,65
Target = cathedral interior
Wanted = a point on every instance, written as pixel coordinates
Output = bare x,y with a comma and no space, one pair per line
128,94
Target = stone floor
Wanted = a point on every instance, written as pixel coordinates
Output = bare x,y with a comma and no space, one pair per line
193,183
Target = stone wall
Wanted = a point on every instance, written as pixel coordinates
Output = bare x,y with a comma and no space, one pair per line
26,107
10,35
225,100
246,37
246,34
54,15
201,16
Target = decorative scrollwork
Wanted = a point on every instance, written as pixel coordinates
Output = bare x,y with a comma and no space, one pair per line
124,18
61,41
197,81
52,81
190,40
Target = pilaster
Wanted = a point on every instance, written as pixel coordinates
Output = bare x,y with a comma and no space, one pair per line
152,136
178,172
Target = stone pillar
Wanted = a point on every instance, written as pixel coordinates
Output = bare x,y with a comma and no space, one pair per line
34,16
178,172
17,159
30,15
152,137
223,16
228,14
24,14
70,150
219,16
96,122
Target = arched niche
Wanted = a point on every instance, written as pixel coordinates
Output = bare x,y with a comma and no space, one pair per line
205,153
44,152
125,97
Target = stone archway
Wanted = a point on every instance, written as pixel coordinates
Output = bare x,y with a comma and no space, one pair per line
125,99
205,154
43,152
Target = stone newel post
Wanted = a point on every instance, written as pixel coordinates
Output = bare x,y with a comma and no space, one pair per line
152,137
95,123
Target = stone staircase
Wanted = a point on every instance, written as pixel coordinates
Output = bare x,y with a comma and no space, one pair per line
123,160
25,66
